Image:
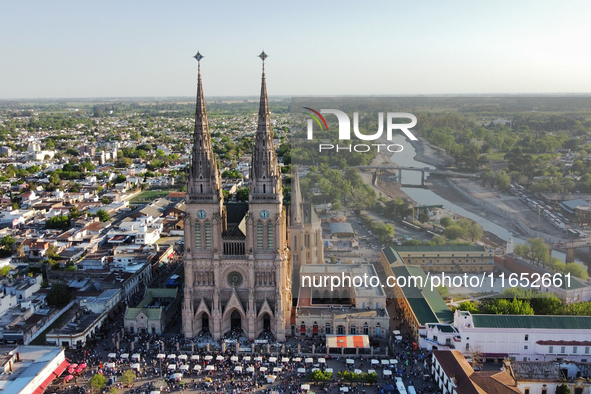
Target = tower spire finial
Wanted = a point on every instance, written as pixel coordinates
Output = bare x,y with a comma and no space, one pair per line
198,56
265,176
204,178
263,56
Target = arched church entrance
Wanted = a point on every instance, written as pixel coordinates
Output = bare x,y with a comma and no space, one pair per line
235,321
266,323
204,323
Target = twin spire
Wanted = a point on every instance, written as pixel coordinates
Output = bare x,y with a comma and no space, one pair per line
204,177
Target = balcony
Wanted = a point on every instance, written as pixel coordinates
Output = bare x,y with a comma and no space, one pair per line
264,197
200,198
234,246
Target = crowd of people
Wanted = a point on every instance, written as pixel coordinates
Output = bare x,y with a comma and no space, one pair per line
172,363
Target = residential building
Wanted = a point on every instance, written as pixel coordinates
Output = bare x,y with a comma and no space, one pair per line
455,375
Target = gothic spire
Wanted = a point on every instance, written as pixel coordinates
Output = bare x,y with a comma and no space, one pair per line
296,197
265,177
264,113
204,177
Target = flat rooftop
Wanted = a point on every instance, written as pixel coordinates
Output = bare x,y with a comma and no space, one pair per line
33,360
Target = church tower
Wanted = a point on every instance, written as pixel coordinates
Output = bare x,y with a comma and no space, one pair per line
267,211
237,270
203,216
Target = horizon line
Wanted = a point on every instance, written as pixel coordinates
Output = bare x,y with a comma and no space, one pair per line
278,96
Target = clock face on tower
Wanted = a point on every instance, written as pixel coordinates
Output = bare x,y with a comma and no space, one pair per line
201,214
235,279
264,214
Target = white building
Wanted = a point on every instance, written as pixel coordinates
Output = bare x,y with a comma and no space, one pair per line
105,302
30,369
522,338
534,377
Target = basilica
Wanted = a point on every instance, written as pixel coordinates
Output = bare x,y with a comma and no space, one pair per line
238,274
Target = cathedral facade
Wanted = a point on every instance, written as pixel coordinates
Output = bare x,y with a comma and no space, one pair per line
237,267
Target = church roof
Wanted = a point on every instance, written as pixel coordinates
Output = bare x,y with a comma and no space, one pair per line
236,214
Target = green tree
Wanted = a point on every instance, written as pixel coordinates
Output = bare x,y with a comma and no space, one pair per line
563,389
468,306
423,217
320,376
445,221
5,270
97,382
521,250
59,295
242,194
540,253
577,270
8,243
362,198
550,305
453,232
128,377
102,215
123,162
473,231
503,180
503,306
74,213
58,222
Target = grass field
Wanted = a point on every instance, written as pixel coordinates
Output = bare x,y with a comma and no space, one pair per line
150,195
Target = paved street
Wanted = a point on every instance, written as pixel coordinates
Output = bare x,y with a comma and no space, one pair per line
154,355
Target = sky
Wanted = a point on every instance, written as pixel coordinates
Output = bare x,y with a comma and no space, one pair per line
72,49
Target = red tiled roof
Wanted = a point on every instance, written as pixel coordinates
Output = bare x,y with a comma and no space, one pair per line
455,365
565,343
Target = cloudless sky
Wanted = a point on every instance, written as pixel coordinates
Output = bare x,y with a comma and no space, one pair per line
144,48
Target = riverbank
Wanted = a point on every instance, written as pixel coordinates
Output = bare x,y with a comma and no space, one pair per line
430,154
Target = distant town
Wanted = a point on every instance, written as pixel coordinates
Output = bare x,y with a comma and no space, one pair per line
155,245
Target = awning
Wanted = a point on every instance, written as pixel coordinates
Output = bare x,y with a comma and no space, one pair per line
43,386
55,374
61,368
347,341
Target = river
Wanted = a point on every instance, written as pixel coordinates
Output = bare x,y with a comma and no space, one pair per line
427,197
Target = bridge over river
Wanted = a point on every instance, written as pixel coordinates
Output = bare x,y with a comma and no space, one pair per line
423,171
